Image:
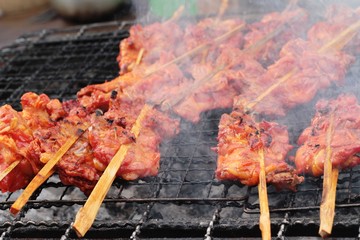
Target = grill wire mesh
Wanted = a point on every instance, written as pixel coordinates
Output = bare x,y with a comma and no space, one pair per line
184,200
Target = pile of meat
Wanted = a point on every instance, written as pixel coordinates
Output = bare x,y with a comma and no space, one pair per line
265,67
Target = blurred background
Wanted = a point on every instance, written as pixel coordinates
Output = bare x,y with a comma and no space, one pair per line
18,16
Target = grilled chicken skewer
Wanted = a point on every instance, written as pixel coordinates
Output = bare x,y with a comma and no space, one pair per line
350,35
86,215
328,145
21,137
46,171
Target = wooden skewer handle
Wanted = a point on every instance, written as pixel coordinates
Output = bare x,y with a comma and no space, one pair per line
264,222
8,169
327,207
29,190
44,173
87,214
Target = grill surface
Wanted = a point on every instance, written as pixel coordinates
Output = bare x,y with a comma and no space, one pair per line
184,200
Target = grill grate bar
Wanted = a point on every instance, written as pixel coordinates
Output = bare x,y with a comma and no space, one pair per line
145,214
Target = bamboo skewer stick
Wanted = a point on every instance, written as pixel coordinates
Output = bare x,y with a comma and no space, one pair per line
87,214
270,89
177,14
44,173
264,221
342,39
327,207
139,56
7,170
223,6
330,178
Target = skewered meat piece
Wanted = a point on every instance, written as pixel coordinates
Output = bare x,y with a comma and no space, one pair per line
41,114
77,167
309,71
134,85
97,96
204,32
345,141
22,134
84,163
14,138
240,140
169,37
154,39
217,89
295,24
143,157
338,17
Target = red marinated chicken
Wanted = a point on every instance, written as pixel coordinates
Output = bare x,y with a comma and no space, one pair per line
295,22
345,140
240,140
15,136
307,71
338,18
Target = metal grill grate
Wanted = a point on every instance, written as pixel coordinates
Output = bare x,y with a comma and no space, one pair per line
184,200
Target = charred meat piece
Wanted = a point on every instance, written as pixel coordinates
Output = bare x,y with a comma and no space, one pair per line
345,141
26,136
216,89
338,18
106,137
307,72
15,136
295,22
153,39
240,140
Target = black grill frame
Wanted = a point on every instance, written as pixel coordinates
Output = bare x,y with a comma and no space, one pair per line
173,204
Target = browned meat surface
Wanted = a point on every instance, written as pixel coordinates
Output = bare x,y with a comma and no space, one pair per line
345,141
295,22
241,139
308,71
15,136
338,18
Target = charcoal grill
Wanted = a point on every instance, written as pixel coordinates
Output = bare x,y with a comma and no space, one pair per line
185,200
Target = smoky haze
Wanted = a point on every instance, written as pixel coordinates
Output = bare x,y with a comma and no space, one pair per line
212,77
